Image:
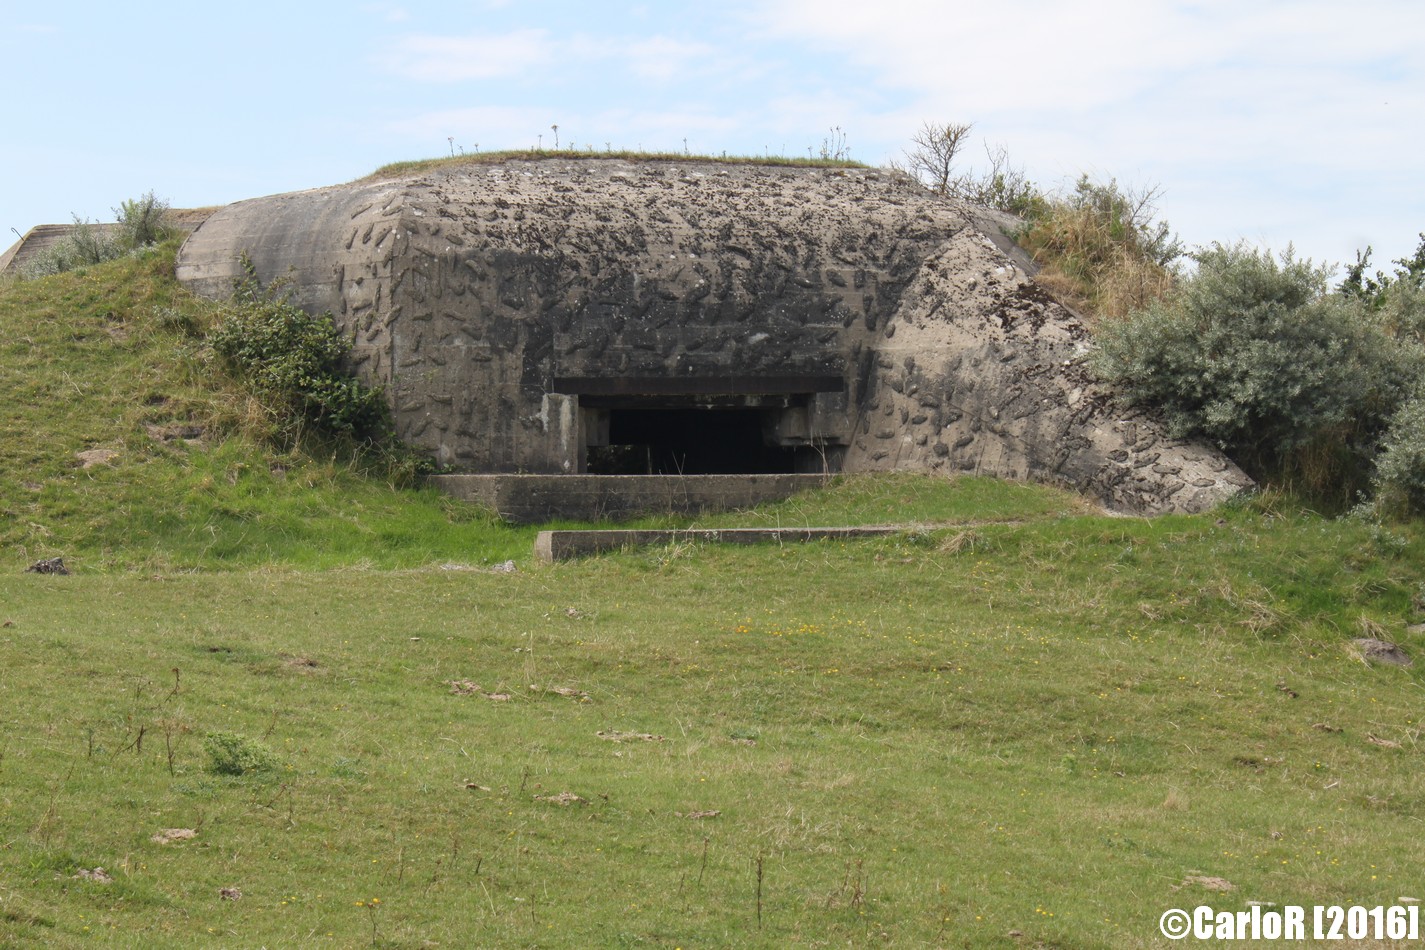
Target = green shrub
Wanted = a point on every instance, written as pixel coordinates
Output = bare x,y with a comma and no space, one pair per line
1400,468
1001,185
92,245
142,221
1409,273
232,754
1399,316
294,362
1127,218
1006,190
1254,354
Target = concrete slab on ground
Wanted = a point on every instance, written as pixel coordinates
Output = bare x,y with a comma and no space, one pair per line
532,499
552,546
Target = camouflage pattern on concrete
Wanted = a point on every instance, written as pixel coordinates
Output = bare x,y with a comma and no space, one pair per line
525,317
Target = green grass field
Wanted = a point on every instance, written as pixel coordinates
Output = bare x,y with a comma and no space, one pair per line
1023,724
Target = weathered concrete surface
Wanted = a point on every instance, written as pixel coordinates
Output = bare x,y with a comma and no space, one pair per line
552,546
519,314
534,499
982,371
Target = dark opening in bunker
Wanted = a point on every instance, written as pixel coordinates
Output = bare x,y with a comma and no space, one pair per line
703,427
689,442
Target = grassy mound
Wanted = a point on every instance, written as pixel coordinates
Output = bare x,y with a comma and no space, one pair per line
1023,723
124,448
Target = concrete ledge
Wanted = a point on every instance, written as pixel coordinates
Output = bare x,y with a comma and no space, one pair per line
552,546
532,499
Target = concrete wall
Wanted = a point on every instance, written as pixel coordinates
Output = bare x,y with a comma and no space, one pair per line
497,304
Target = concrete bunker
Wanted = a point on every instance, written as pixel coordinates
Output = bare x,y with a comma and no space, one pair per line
568,317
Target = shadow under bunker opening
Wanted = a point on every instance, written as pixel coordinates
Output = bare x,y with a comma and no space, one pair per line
702,435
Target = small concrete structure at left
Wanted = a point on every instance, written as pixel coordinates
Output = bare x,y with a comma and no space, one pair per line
43,237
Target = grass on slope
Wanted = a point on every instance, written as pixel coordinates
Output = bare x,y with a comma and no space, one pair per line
111,358
1057,729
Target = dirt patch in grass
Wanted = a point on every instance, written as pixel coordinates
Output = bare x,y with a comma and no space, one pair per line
170,835
563,799
1206,882
468,688
91,458
566,691
1374,650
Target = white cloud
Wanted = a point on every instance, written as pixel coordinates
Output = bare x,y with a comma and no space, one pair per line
1258,118
1077,55
430,58
989,57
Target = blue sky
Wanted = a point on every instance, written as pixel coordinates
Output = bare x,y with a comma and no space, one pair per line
1268,121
